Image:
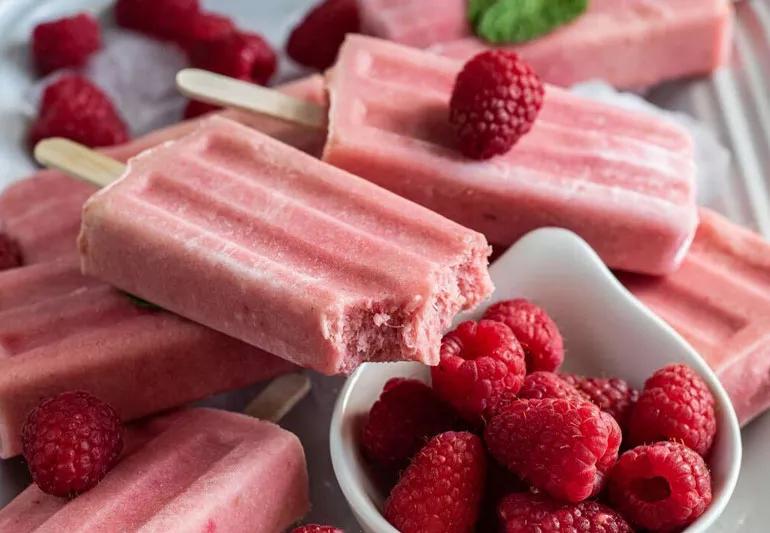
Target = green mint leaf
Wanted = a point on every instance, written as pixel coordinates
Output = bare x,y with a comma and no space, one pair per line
516,21
477,8
144,304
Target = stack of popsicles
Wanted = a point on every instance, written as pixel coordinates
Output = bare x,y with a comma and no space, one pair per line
330,263
630,43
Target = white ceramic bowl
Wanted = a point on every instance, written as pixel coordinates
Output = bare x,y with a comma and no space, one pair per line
606,332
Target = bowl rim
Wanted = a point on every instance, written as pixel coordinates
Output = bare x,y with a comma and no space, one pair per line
370,516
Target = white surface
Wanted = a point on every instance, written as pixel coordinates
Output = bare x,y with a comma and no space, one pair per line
711,101
614,335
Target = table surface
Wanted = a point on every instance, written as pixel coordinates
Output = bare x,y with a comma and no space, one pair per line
734,102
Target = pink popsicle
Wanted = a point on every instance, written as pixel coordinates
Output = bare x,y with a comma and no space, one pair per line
628,43
719,300
200,470
246,235
622,180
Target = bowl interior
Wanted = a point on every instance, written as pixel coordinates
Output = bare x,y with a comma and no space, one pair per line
606,332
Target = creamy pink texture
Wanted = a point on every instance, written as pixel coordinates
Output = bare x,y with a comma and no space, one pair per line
629,43
719,300
242,233
623,181
60,330
199,470
43,215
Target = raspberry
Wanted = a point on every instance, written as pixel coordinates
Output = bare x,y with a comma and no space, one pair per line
10,253
612,395
537,333
163,19
539,385
662,486
241,55
440,492
205,27
194,109
70,441
676,404
563,447
65,43
523,513
74,108
315,528
479,361
495,101
407,414
315,41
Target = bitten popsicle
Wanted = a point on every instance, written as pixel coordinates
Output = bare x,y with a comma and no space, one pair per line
242,233
629,43
719,300
190,471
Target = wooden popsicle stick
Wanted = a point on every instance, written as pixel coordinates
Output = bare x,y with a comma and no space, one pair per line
279,397
78,161
229,92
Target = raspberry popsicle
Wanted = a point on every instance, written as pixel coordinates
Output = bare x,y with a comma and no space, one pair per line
246,235
719,300
630,43
195,470
622,180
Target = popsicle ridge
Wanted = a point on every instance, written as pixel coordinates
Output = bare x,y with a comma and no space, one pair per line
315,265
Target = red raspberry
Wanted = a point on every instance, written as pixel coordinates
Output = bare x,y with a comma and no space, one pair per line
563,447
10,253
495,101
164,19
241,55
205,27
65,43
440,492
521,513
676,404
194,109
407,414
74,108
612,395
315,528
70,441
539,385
315,41
479,361
537,333
663,486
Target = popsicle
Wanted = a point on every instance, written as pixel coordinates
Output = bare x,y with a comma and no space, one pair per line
719,300
199,470
246,235
630,44
622,180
